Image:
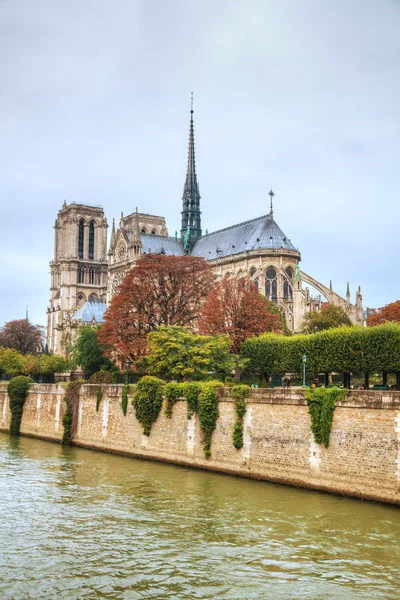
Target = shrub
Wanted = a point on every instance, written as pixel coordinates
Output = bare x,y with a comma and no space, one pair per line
104,377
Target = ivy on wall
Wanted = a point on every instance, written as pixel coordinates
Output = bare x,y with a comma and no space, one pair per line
17,392
172,392
147,401
208,412
239,392
124,398
321,406
70,418
99,397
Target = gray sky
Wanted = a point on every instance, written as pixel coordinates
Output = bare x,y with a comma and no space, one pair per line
300,95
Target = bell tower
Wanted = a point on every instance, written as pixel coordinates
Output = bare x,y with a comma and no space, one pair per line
79,268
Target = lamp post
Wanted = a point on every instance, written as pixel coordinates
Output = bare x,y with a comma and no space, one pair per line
304,360
127,363
41,373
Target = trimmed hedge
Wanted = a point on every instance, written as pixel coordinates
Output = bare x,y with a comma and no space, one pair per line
346,349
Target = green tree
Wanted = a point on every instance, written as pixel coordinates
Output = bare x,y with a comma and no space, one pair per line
328,317
89,352
176,353
11,361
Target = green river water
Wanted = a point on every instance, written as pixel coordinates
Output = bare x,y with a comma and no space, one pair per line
81,524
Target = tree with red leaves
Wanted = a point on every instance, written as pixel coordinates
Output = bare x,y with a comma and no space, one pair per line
21,335
158,290
390,312
235,308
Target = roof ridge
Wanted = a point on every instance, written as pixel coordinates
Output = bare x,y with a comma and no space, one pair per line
237,225
163,237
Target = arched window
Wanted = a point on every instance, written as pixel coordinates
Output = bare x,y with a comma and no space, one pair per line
91,240
143,231
80,299
81,275
287,288
255,281
91,276
81,236
153,232
287,291
271,285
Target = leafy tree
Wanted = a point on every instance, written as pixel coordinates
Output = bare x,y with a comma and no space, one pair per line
328,317
21,335
45,364
11,361
158,291
388,313
89,352
177,353
235,308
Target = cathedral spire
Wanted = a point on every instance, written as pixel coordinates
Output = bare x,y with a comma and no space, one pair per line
191,215
271,195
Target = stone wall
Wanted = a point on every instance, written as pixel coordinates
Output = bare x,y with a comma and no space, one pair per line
362,460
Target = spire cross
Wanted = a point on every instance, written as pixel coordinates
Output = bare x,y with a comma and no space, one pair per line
271,194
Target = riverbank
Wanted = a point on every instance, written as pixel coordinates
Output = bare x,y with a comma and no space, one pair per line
362,459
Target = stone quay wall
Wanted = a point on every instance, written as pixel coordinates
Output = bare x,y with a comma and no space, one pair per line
363,458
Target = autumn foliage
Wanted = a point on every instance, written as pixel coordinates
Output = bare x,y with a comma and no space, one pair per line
390,312
158,291
235,308
21,335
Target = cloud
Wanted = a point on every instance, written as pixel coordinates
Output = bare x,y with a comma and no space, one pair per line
299,95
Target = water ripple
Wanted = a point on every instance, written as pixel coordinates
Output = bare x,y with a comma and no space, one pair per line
80,524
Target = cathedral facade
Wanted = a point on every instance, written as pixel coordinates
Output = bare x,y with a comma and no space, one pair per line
85,275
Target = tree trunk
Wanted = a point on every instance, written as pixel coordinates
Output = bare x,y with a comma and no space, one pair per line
384,377
397,386
366,380
326,378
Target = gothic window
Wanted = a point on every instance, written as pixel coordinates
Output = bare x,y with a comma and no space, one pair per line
81,275
153,232
271,285
143,231
289,272
287,288
91,276
80,299
91,240
255,281
81,235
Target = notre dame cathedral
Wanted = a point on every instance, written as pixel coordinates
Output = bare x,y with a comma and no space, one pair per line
84,275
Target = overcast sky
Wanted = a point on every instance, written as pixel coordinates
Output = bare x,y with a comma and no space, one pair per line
300,95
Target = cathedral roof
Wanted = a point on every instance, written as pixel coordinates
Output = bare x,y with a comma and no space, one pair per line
258,234
91,310
157,244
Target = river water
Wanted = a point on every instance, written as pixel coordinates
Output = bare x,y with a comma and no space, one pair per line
76,523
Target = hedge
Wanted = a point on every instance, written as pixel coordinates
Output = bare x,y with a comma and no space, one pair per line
346,349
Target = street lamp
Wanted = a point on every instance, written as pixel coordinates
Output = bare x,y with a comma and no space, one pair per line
41,373
304,360
127,363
